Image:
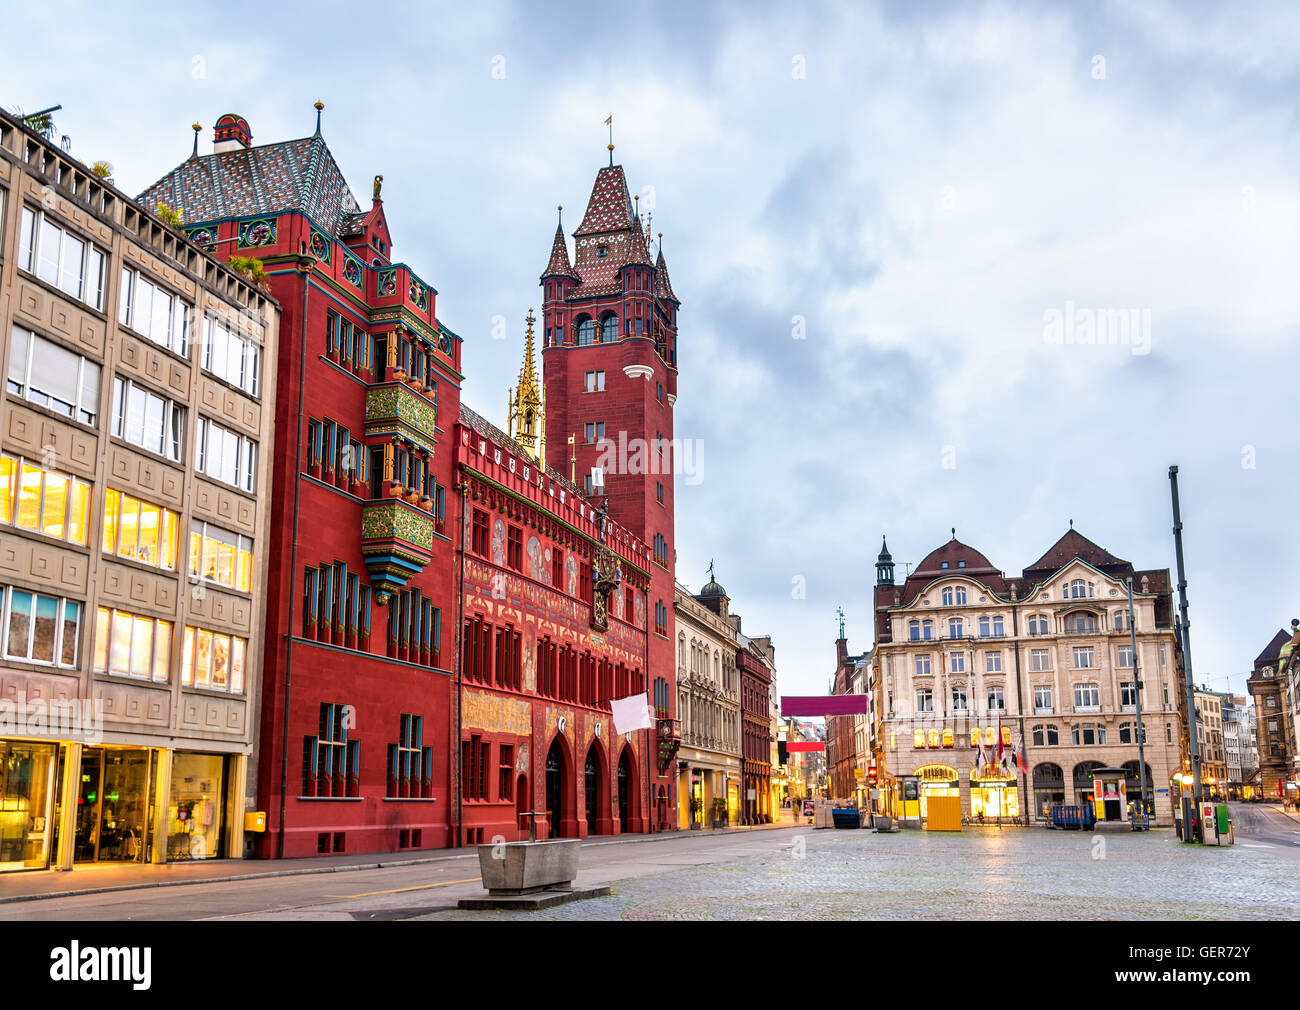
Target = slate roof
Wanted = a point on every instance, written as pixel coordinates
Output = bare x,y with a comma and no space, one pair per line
290,175
1269,656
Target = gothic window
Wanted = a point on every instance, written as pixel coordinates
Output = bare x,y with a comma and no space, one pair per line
586,330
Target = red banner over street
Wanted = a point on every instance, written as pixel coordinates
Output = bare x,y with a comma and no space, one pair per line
794,746
835,704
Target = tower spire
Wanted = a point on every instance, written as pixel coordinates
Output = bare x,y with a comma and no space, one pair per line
884,565
610,123
526,417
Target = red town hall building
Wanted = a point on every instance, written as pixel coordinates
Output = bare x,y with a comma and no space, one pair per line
448,616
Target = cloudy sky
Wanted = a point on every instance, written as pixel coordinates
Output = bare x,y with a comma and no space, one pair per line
872,218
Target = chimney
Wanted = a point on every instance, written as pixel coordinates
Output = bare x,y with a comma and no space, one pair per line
231,133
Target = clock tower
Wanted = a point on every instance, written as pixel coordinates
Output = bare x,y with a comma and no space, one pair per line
609,364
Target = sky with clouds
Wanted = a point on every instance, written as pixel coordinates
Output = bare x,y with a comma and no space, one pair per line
870,214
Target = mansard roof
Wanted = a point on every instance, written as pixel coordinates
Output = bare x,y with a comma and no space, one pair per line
953,558
1271,651
1075,545
292,175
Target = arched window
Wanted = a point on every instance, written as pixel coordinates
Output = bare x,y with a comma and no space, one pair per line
947,597
1081,621
586,327
608,328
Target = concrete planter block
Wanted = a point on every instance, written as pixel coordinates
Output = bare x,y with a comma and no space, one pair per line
525,867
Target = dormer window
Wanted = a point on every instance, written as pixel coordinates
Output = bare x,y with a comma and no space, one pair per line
602,251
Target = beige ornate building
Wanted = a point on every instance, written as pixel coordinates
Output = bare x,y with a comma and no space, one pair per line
708,704
136,442
1008,692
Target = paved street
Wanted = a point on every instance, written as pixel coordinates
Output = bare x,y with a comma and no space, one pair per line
790,872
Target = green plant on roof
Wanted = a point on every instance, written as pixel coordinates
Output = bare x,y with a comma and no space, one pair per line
102,169
42,123
252,268
169,216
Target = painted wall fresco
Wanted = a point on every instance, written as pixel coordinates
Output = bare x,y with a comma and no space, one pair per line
495,713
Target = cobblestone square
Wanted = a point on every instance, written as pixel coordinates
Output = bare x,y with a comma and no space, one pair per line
983,873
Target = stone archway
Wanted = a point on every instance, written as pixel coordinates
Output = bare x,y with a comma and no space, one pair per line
596,791
561,820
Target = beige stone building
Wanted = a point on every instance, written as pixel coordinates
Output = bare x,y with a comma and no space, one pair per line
136,438
708,704
1209,738
1009,692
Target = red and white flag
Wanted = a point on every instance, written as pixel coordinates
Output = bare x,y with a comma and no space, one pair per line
632,712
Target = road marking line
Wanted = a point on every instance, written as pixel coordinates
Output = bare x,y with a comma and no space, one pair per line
399,890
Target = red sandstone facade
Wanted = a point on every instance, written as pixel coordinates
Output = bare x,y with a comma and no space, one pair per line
540,661
610,364
420,691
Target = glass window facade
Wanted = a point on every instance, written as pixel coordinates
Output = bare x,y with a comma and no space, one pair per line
195,806
27,783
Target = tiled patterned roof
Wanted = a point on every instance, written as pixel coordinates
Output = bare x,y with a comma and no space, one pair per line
609,208
353,224
637,254
290,175
663,286
558,265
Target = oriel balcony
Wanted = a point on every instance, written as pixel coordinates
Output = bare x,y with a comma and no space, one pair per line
397,542
670,739
399,409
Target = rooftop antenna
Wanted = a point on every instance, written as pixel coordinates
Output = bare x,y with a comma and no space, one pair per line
840,611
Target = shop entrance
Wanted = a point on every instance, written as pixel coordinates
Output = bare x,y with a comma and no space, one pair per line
113,806
994,797
935,780
27,772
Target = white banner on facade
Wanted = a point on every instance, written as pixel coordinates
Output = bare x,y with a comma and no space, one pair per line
632,712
